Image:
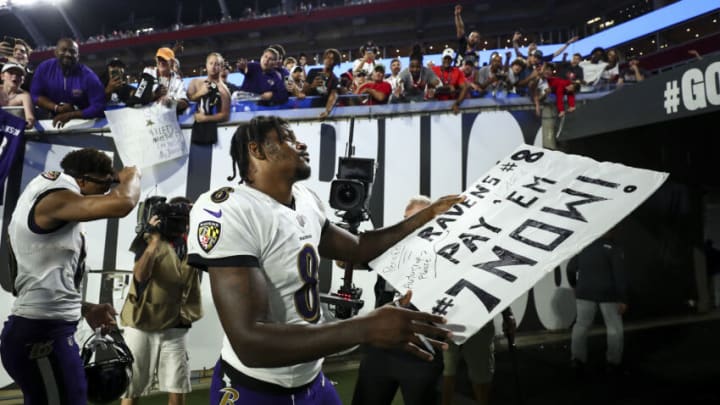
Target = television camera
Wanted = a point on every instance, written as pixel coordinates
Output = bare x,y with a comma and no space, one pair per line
350,195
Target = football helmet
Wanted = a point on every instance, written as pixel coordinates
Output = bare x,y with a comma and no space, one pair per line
108,366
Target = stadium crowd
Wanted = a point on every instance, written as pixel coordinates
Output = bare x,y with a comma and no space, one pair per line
276,77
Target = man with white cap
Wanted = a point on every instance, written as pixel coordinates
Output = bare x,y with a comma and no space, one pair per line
452,81
11,95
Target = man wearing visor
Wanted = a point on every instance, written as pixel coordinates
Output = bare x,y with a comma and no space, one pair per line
168,86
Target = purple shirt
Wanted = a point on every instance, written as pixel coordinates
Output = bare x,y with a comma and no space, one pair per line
258,82
81,87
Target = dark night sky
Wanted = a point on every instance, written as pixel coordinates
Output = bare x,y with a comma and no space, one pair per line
97,16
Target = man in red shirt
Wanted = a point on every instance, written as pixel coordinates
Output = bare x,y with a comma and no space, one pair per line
452,81
377,88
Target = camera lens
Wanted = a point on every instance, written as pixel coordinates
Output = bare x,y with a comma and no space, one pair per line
347,194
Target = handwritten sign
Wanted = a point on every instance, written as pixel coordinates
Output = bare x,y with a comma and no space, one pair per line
531,211
147,136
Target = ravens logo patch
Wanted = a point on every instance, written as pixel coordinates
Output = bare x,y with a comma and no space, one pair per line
51,175
208,234
221,194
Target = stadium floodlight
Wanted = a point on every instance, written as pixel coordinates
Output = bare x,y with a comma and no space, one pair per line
30,3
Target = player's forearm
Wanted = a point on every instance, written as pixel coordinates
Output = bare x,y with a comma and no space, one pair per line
126,196
373,243
278,345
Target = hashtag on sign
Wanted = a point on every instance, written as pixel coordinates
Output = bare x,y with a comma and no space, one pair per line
672,97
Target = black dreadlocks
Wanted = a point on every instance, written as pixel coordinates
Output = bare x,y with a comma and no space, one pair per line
255,130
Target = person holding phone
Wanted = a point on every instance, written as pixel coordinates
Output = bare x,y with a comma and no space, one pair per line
117,90
17,51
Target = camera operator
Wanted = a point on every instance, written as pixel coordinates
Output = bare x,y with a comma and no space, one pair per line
163,301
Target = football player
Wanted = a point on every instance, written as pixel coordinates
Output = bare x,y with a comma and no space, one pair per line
261,243
47,266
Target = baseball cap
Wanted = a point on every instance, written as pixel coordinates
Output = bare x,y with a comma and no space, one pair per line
116,62
15,66
448,52
537,53
379,68
165,53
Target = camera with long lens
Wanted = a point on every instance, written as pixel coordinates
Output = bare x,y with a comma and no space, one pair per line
174,217
350,194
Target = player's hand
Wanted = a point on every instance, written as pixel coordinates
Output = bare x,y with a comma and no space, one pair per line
443,204
100,316
394,327
622,307
458,9
128,173
516,36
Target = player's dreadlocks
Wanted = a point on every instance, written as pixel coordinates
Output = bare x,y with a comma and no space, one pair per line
255,130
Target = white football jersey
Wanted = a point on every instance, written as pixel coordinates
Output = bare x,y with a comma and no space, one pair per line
50,264
241,226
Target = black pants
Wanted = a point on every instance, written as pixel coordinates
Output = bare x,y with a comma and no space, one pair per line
382,372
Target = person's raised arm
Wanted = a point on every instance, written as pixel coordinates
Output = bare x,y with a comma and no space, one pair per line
459,24
142,269
516,37
337,243
66,205
564,47
197,88
241,298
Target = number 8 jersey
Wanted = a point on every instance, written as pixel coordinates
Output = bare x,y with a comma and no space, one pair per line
241,226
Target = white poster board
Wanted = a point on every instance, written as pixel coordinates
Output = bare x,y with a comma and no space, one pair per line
531,211
148,135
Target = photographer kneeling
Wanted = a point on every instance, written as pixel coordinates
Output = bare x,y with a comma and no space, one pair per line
163,301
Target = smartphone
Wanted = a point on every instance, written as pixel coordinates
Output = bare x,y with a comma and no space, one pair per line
116,74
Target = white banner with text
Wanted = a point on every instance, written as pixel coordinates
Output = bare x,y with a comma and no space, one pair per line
531,211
